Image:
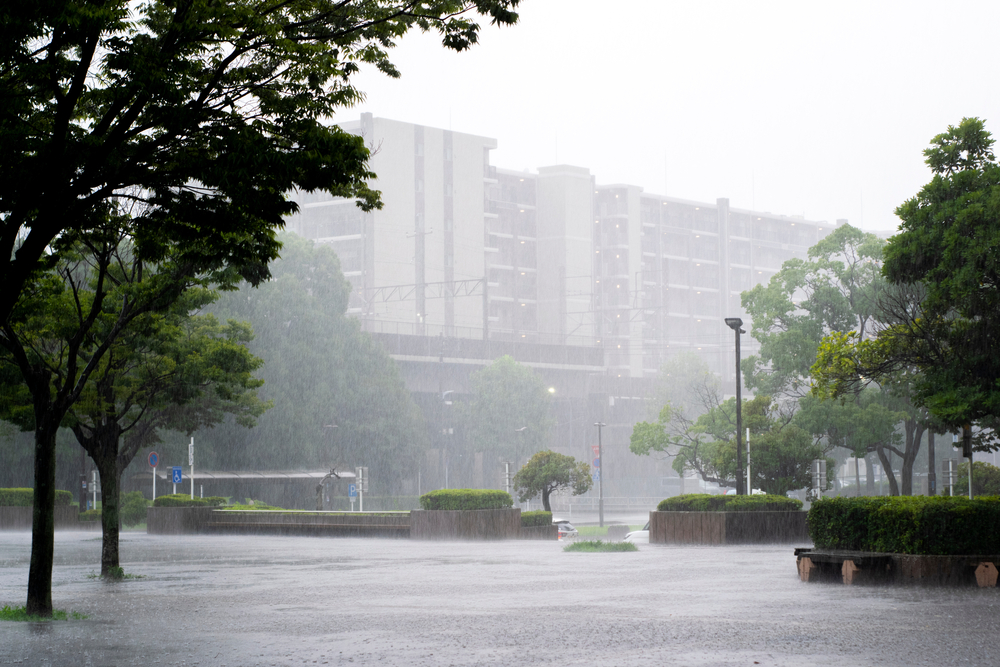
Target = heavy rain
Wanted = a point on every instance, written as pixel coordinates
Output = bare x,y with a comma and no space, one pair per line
295,300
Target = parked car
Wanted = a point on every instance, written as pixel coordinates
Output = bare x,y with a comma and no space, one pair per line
638,536
566,529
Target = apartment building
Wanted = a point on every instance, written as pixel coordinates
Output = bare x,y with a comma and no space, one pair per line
466,250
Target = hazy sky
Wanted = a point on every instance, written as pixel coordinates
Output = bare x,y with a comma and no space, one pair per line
814,109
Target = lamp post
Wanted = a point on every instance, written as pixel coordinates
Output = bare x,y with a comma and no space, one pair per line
600,474
735,323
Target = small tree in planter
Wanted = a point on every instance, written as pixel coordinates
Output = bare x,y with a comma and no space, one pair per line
548,472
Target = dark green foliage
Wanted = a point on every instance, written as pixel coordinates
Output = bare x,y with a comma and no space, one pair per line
466,499
90,515
133,508
985,479
23,497
184,500
593,546
704,502
919,525
536,518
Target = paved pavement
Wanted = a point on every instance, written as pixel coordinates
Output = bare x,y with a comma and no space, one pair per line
234,601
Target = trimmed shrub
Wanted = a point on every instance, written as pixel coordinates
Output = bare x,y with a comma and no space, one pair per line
466,499
704,502
90,515
25,497
918,525
183,500
133,508
537,518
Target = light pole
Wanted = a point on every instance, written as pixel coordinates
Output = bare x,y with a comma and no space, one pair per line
735,323
600,474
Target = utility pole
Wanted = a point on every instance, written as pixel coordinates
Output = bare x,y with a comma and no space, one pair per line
735,323
600,474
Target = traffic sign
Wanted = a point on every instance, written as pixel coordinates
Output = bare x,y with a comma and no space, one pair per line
153,459
596,463
597,477
177,474
352,490
597,449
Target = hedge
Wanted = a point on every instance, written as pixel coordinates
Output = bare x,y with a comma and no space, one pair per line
184,500
90,515
918,525
25,497
537,518
466,499
704,502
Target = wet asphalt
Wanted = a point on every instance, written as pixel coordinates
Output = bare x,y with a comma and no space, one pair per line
234,601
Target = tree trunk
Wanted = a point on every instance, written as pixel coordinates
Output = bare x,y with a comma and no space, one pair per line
545,499
107,468
931,463
914,433
883,456
43,515
869,476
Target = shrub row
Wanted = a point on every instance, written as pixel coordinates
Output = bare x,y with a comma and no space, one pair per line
25,497
183,500
90,515
466,499
537,518
704,502
919,525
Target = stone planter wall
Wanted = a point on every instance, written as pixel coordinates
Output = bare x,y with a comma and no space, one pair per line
727,527
177,520
540,532
465,524
19,518
357,524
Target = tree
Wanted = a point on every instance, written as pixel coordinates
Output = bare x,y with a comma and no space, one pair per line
507,417
320,371
209,113
948,244
548,472
781,451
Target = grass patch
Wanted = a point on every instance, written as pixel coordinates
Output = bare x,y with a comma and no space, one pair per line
594,546
598,531
117,574
8,613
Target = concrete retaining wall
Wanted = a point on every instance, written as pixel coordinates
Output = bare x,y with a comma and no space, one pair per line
465,524
19,518
727,527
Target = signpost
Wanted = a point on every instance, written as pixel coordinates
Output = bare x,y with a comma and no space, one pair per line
362,483
176,470
153,460
191,463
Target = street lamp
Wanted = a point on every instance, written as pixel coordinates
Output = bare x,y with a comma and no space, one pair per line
600,474
735,323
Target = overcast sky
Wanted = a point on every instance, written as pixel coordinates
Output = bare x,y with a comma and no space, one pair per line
799,108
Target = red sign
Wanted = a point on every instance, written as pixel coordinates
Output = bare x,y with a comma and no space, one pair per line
597,449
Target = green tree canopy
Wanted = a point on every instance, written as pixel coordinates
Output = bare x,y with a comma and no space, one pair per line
320,371
507,416
548,472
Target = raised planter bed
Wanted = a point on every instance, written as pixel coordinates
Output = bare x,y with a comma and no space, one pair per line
727,527
868,567
540,532
500,524
19,518
382,524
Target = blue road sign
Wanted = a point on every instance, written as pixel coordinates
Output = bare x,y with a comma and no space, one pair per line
352,490
596,463
177,474
597,477
153,459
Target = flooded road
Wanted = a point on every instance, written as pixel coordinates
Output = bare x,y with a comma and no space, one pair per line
211,600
